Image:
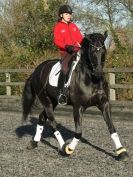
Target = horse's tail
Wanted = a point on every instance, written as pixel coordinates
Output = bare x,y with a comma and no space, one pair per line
28,98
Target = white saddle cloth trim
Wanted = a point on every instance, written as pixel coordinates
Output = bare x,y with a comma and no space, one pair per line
73,68
54,74
55,71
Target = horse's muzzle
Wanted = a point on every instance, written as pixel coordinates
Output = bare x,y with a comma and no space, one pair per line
98,72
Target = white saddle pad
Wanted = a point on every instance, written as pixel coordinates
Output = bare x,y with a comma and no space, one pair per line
54,74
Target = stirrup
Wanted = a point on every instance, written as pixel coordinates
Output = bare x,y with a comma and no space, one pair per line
62,99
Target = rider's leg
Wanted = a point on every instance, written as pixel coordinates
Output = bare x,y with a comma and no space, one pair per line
62,99
61,95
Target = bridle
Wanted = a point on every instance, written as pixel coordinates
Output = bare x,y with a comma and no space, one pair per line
98,48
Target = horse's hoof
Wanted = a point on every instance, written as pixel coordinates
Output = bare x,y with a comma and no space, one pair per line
122,155
32,145
66,151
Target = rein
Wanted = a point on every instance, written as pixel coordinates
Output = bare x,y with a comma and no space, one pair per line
87,70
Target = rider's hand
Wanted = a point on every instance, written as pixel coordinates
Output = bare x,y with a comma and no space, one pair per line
70,49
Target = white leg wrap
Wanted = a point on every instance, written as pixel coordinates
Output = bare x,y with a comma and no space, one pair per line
38,134
116,140
73,143
59,138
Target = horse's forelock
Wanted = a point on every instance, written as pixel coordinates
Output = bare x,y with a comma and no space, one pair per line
97,37
92,38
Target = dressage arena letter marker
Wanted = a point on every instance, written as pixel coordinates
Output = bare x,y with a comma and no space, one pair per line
59,138
38,134
73,143
116,140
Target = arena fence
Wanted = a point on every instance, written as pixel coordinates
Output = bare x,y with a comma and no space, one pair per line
110,72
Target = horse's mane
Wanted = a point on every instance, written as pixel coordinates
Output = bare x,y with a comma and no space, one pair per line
92,38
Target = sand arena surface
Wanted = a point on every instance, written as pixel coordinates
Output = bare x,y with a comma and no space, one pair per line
93,157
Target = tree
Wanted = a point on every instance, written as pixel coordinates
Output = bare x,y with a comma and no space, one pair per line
98,15
26,28
128,4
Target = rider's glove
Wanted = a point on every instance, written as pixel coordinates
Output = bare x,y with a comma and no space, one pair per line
70,49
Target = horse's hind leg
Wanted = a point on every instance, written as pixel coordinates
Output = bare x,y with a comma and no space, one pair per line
49,107
106,111
39,129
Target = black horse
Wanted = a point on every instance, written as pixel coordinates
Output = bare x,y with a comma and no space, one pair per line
88,87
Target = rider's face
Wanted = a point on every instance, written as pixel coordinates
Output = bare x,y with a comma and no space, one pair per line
66,17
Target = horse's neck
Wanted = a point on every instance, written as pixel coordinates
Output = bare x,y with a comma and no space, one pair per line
86,74
83,68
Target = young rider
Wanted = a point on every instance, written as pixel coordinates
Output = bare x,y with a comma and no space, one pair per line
67,37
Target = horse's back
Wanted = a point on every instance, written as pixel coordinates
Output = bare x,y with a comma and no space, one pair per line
41,73
44,64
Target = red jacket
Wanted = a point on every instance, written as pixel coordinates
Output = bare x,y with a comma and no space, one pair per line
66,34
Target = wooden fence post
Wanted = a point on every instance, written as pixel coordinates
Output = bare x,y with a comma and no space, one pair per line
8,88
112,82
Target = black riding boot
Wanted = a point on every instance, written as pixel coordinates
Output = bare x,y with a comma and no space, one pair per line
62,98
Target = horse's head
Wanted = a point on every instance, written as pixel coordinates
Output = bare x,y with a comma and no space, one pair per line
93,51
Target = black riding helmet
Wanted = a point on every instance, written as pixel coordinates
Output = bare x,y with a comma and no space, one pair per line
65,9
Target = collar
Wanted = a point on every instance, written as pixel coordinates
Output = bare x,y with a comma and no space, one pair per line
65,23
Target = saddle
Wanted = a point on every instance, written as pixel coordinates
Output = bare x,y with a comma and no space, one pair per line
55,72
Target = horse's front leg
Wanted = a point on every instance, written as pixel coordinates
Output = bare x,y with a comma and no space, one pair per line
105,108
77,113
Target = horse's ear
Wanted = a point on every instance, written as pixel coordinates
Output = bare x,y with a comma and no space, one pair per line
109,43
105,34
